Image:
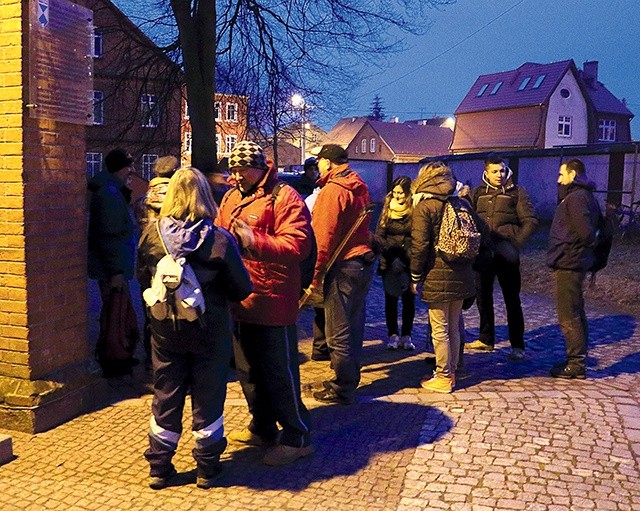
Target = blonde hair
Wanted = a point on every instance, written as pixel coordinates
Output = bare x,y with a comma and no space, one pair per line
430,170
189,196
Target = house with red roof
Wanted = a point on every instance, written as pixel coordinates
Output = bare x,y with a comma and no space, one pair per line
539,106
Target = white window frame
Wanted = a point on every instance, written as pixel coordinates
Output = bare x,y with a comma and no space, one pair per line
148,160
230,142
482,90
564,126
217,110
149,110
495,89
607,130
372,145
231,111
98,108
94,163
363,146
186,111
219,143
97,48
188,142
539,81
524,83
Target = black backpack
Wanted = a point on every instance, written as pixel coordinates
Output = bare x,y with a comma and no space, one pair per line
602,245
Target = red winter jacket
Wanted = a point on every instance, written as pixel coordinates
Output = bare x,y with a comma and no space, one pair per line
282,231
343,195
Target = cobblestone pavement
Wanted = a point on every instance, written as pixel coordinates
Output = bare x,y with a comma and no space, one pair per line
508,438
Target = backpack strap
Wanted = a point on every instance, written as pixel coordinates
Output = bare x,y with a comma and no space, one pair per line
276,191
164,246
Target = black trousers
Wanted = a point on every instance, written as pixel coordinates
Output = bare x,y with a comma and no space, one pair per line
508,275
320,347
571,315
269,372
408,312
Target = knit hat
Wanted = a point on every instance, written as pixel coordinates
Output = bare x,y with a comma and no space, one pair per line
165,166
334,153
248,154
117,159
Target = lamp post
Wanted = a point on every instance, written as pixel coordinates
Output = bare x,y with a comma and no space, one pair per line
298,102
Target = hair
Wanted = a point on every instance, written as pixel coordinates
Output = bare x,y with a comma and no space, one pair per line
493,159
576,165
189,196
403,182
428,171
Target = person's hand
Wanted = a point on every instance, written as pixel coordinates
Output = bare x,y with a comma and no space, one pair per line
414,288
117,282
243,232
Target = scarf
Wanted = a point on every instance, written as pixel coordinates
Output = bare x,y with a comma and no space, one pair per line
398,211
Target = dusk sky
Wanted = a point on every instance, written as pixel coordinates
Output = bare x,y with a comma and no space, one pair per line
421,83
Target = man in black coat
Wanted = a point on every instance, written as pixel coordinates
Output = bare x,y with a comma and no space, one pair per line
570,255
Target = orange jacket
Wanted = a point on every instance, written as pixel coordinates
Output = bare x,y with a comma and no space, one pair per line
343,195
281,229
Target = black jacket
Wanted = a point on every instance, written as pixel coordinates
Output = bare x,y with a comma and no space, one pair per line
394,241
573,230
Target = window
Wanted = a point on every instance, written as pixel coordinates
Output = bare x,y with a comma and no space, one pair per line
495,88
187,142
372,145
565,93
232,112
186,110
539,81
230,142
363,146
97,43
607,130
150,112
94,163
147,165
524,83
482,89
217,110
98,107
564,126
219,143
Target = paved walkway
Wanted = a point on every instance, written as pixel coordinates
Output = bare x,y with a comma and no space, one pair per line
509,438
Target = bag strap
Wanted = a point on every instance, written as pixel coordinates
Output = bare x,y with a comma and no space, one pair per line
164,246
276,191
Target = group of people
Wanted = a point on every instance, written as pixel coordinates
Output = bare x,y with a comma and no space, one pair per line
247,253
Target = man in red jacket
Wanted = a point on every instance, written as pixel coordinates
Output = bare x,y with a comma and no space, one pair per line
342,198
273,230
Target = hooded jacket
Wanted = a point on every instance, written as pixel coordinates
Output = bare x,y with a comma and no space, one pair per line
443,282
215,258
573,230
507,211
281,226
343,195
112,239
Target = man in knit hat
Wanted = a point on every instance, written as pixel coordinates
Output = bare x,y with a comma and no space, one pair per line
273,228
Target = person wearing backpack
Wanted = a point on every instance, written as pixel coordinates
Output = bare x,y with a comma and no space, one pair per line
191,356
446,280
570,255
509,215
274,231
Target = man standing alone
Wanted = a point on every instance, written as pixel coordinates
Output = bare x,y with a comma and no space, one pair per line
570,255
342,198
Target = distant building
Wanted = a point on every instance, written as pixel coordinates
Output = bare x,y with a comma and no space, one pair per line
539,106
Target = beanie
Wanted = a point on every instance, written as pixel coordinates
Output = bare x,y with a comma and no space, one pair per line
248,154
117,159
165,166
334,153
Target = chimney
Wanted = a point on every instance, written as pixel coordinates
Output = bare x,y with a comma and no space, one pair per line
590,71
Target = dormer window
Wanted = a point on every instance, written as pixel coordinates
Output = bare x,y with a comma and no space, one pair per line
524,83
495,88
482,89
539,81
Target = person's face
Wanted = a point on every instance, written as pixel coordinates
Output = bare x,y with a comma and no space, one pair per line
324,166
566,177
399,195
124,174
246,177
496,174
312,172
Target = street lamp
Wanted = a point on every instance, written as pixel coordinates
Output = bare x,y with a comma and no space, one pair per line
298,102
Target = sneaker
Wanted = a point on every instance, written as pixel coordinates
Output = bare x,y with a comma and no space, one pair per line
441,384
405,342
478,345
160,482
393,342
331,396
285,454
568,372
516,354
248,437
208,480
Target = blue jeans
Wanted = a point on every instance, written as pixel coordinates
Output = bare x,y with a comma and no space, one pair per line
345,291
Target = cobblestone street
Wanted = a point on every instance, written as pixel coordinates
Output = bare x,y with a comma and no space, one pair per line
509,438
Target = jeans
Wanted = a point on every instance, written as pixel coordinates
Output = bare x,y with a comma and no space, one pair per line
408,312
444,318
345,290
508,275
320,347
269,373
571,316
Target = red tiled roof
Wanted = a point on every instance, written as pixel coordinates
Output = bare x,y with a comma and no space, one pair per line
603,100
344,131
414,139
